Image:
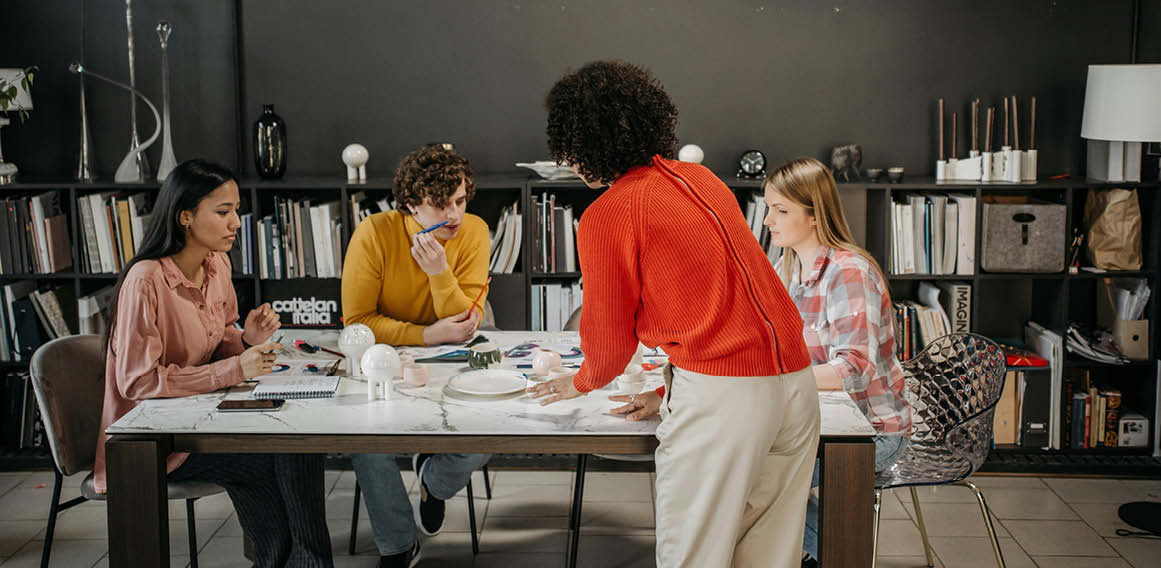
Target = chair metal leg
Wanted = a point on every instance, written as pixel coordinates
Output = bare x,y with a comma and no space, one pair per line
875,529
922,527
354,520
578,497
193,532
487,483
472,518
987,521
53,509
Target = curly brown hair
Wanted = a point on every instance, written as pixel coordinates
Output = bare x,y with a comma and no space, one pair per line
433,172
609,117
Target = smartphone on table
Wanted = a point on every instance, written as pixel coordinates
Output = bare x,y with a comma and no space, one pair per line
251,405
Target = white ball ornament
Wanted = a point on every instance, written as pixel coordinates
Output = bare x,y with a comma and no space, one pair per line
691,153
355,157
380,365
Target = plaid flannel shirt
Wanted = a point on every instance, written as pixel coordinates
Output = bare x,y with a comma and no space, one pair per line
847,324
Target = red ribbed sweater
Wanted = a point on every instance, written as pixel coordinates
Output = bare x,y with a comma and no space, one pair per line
668,258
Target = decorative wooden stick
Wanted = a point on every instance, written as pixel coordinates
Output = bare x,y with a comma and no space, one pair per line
1032,127
942,157
1006,121
976,125
954,134
1015,124
989,121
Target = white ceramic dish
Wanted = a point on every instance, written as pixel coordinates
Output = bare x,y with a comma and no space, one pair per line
488,382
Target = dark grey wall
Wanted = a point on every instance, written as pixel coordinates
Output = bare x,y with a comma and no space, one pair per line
791,78
52,33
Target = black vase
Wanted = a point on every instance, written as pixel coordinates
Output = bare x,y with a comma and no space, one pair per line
270,144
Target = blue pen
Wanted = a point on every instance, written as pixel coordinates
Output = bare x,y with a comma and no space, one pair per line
433,227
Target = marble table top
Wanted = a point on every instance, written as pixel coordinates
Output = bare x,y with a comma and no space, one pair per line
433,409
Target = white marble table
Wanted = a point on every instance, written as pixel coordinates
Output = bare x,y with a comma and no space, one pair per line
435,418
433,410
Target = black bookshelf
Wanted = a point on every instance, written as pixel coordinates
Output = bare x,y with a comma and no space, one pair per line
1002,302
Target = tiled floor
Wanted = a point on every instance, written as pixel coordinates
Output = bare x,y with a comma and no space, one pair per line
1058,523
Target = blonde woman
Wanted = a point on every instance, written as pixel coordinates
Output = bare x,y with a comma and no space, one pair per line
845,306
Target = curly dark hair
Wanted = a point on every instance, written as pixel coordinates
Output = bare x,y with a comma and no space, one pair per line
609,117
434,172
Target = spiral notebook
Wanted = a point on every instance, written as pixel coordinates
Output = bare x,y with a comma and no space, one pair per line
299,386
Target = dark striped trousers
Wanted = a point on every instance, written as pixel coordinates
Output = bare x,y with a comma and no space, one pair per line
280,500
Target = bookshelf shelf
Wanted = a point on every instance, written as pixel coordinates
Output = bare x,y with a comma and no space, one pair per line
1001,302
1082,363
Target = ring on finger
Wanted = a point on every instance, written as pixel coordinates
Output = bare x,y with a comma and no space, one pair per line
552,389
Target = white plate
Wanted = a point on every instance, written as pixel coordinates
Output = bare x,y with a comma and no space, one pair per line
488,382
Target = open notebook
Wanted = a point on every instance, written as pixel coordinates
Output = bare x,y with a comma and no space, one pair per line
296,386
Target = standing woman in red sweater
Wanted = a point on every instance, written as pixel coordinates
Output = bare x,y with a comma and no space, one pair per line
668,260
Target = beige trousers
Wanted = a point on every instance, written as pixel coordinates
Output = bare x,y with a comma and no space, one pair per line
734,465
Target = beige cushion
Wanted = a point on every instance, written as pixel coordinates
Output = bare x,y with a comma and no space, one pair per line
176,489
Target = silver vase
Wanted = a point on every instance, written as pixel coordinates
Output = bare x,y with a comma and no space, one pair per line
168,162
85,159
142,162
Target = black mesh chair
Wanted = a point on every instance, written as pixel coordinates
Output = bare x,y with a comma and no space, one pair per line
953,386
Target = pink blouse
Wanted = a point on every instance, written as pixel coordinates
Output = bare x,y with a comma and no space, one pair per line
172,339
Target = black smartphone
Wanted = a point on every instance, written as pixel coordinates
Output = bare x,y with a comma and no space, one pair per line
251,405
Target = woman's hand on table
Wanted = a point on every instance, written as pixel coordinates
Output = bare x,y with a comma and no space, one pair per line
639,407
261,323
554,390
258,360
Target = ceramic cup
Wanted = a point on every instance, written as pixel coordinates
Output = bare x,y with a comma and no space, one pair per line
631,384
482,355
544,360
415,375
895,174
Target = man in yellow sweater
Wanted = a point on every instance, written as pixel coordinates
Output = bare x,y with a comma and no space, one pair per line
416,288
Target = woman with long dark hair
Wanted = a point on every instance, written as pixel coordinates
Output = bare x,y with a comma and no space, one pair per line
172,334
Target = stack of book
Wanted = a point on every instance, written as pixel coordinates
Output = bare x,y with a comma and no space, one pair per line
30,317
553,235
1092,414
21,427
112,225
933,234
300,239
34,235
553,304
363,207
506,240
756,211
943,307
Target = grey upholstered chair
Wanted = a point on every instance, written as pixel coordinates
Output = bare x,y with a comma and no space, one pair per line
953,386
68,376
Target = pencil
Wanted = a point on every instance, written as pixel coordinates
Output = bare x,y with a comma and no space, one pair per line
433,227
480,295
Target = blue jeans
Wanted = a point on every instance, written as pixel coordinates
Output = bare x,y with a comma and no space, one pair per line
887,451
392,520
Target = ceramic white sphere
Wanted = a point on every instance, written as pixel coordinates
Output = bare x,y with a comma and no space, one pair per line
355,155
356,334
380,362
691,153
545,360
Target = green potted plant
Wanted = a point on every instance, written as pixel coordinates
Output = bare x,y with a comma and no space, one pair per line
15,89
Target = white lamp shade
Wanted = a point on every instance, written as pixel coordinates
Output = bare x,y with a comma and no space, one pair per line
1122,103
23,99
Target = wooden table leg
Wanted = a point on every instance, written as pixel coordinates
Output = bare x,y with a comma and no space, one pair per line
846,503
138,512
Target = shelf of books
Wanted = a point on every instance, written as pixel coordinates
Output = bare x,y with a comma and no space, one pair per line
1084,375
943,248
